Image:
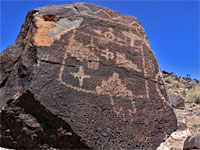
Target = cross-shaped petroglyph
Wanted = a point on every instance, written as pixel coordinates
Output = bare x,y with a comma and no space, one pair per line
107,54
80,75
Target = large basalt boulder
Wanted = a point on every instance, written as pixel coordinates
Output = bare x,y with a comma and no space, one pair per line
82,76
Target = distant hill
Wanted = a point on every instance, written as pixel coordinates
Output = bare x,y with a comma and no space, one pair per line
187,88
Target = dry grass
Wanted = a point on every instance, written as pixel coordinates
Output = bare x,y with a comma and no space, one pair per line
194,94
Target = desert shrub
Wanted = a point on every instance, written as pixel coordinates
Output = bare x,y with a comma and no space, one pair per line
183,92
194,94
178,84
168,80
195,98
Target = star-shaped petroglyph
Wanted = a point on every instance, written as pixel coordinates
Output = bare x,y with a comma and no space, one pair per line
80,75
107,54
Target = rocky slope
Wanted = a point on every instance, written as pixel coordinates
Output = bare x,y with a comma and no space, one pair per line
82,76
187,109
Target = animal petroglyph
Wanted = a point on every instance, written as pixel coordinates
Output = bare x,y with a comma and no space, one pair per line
80,75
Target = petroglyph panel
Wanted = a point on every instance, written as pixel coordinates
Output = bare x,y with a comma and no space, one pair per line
92,56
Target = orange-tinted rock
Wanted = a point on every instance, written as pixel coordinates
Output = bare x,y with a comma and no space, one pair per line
90,68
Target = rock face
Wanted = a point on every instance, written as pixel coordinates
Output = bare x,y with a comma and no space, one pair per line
192,142
82,76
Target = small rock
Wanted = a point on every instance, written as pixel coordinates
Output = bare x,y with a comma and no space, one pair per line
181,134
176,101
182,126
192,142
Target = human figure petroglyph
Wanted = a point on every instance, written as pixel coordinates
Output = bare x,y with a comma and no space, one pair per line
80,75
115,88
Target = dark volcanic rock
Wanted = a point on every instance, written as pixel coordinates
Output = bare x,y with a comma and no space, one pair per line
192,143
82,76
28,125
176,101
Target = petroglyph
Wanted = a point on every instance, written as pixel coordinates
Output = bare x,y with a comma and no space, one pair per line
131,36
82,53
150,69
115,88
44,59
108,18
80,75
158,75
121,61
87,55
107,54
63,67
93,65
48,31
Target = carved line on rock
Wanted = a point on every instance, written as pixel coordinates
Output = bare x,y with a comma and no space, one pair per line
90,91
122,91
80,75
120,58
94,14
117,111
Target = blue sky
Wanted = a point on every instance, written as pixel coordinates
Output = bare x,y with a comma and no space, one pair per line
172,28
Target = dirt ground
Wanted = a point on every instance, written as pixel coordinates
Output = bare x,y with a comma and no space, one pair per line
189,125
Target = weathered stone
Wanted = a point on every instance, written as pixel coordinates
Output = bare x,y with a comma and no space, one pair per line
176,101
36,126
192,142
87,72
